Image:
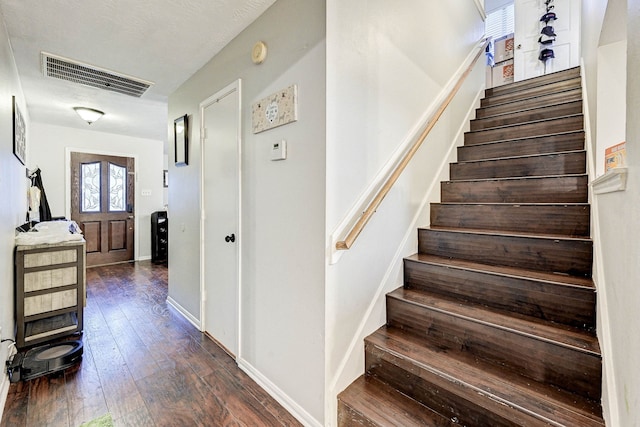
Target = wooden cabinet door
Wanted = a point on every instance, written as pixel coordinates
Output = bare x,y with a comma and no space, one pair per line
102,190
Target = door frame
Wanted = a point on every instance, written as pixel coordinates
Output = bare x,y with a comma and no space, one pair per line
236,86
569,28
67,190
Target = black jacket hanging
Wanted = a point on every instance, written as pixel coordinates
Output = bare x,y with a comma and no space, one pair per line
36,180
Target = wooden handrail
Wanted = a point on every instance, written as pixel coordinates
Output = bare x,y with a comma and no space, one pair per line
377,200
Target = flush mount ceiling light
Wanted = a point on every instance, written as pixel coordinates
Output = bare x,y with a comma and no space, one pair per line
89,115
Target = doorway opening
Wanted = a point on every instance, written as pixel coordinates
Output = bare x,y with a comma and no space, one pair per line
102,190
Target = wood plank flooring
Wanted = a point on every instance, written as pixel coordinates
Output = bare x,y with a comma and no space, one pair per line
143,363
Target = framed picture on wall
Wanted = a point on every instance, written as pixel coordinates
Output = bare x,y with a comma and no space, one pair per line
19,133
181,140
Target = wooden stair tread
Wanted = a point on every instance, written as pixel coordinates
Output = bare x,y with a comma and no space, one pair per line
511,204
562,335
556,278
533,102
537,137
520,178
570,255
567,219
485,382
536,128
509,234
528,108
539,90
527,115
526,156
546,144
562,163
517,125
543,80
534,189
384,406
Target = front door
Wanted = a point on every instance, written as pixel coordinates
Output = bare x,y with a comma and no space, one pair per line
528,27
220,217
102,190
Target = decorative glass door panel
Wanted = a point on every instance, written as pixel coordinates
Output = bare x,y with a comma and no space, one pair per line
117,188
90,178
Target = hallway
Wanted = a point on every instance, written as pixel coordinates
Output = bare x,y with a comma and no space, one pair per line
144,364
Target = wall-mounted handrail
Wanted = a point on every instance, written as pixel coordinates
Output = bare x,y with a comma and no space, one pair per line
384,190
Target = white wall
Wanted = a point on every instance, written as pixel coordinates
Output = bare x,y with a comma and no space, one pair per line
283,216
618,288
491,5
611,101
593,13
13,190
387,63
49,145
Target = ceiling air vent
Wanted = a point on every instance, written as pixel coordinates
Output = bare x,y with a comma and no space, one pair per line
67,69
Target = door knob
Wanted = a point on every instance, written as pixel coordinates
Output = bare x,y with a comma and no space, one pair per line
519,46
231,238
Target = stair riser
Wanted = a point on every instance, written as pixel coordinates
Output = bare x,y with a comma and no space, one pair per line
555,164
571,189
548,89
546,127
531,357
452,400
565,256
541,81
524,296
546,113
523,147
569,220
541,101
526,190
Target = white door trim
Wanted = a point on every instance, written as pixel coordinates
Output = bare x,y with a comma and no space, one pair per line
233,87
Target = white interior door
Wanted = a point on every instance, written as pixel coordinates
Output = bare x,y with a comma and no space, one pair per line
566,48
221,215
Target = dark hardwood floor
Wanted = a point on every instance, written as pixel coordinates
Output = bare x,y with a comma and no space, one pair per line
144,364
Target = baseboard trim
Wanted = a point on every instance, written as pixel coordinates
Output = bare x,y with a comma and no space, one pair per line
4,379
184,313
280,396
4,393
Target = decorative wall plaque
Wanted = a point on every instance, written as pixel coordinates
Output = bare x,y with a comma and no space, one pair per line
275,110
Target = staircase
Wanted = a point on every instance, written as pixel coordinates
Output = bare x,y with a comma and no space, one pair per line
495,323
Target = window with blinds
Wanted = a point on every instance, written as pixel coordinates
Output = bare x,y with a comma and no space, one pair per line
500,22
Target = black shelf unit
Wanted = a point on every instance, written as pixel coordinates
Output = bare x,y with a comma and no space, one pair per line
159,237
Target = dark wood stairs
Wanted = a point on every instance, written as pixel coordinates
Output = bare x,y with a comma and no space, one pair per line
495,323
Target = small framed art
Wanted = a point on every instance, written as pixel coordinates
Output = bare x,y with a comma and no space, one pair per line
19,134
181,140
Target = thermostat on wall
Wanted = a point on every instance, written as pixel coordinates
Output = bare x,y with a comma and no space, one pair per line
279,150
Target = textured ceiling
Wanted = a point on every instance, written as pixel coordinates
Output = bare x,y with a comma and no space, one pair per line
162,41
